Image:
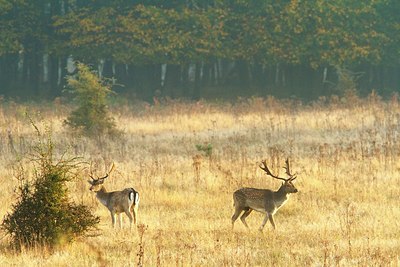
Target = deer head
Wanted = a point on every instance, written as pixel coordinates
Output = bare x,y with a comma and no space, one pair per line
287,185
96,183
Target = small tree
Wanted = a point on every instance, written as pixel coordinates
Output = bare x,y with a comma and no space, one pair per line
92,116
44,214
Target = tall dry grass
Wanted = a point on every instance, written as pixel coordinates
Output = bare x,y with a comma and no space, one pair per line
346,154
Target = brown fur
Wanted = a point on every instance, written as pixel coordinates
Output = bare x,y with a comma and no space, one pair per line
262,200
117,202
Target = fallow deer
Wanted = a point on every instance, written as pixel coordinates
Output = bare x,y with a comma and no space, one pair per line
263,200
117,202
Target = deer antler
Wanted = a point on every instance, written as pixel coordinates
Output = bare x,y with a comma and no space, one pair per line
111,168
91,171
109,172
287,168
264,167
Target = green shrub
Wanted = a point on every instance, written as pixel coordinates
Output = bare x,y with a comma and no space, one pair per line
43,213
90,93
206,148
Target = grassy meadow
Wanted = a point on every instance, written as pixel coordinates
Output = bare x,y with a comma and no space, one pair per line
346,155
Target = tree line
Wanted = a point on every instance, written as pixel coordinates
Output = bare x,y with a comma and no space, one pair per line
191,48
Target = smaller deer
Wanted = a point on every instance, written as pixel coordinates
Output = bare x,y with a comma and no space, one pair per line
126,200
263,200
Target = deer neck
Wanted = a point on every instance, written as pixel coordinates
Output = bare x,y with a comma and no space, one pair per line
281,194
102,195
280,197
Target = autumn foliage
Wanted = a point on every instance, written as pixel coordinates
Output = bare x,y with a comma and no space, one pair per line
293,45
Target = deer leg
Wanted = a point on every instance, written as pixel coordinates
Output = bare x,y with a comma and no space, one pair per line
244,216
271,220
134,212
129,214
120,220
236,215
264,222
113,218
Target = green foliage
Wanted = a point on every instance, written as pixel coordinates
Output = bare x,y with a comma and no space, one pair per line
43,214
263,34
141,32
92,116
206,148
292,32
25,26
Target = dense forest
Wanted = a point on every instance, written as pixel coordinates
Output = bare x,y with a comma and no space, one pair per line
196,48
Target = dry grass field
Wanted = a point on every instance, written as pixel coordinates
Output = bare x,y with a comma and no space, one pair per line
346,155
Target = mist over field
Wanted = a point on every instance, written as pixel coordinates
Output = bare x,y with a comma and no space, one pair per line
346,156
182,101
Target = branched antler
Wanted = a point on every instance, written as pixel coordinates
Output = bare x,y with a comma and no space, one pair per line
264,167
91,171
107,174
288,172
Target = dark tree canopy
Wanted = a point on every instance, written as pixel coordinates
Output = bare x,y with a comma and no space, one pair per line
182,47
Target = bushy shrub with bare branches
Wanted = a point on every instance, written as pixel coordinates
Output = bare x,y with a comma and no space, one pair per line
43,213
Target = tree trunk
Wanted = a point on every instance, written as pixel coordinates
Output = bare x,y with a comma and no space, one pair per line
172,80
197,82
144,80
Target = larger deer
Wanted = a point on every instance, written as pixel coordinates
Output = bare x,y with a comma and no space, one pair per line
117,202
263,200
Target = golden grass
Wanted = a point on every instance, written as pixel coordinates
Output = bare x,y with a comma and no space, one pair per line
347,158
